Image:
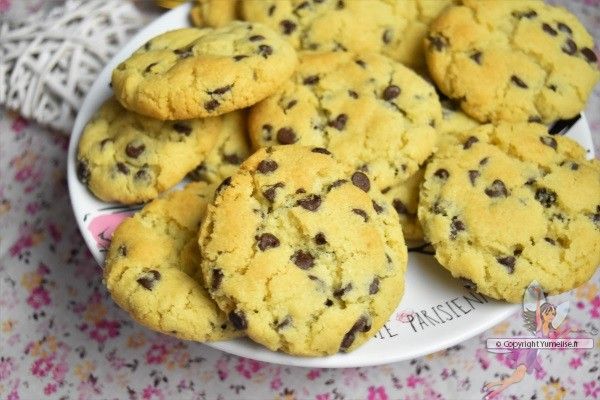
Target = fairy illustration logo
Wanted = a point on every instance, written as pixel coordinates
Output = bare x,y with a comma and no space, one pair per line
542,320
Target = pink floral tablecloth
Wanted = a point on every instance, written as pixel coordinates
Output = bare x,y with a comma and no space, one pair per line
62,337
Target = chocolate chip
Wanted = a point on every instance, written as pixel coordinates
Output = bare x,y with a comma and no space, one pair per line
517,81
233,159
552,87
320,239
182,127
267,241
468,284
226,182
134,151
339,122
328,303
508,262
286,322
469,142
147,45
596,217
549,30
184,52
238,320
350,336
354,95
361,63
391,92
387,36
221,90
303,259
340,5
300,191
122,250
473,175
589,55
343,290
321,150
337,183
239,57
287,26
361,181
399,207
83,171
302,5
149,279
149,67
271,191
256,38
437,42
286,136
378,209
535,118
290,104
569,47
374,286
266,166
442,173
310,203
436,208
545,196
272,9
564,28
217,277
524,14
551,241
123,168
265,50
211,105
456,226
476,57
311,80
549,141
142,174
484,161
496,189
361,212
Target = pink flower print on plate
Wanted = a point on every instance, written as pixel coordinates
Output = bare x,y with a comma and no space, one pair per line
102,226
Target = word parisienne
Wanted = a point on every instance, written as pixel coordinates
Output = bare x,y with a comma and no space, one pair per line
436,315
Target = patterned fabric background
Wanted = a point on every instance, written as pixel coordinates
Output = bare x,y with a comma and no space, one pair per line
61,336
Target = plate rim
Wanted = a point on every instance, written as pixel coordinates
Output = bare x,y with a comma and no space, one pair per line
233,346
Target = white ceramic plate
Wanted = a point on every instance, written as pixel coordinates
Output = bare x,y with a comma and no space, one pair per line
435,313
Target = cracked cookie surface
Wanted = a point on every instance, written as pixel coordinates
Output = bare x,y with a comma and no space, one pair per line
194,72
516,61
511,204
151,268
231,149
299,256
373,114
394,28
130,158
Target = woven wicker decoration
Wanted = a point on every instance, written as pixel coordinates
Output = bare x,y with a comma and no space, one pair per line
49,61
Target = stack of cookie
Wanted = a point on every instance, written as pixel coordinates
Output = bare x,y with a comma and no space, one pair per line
301,245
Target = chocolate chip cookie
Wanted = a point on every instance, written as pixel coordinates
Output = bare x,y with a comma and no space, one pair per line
231,149
299,256
151,268
513,61
512,204
395,28
130,158
193,73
